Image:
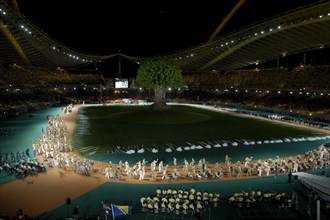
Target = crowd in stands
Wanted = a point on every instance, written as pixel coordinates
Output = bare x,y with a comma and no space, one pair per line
307,77
27,88
264,79
303,89
298,105
36,88
25,77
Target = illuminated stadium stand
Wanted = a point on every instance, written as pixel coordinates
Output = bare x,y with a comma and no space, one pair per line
294,32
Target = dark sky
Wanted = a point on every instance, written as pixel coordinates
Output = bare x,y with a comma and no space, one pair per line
144,28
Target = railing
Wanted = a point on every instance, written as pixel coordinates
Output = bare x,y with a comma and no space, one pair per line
320,184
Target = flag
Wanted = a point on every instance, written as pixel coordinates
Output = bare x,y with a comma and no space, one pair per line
118,210
107,210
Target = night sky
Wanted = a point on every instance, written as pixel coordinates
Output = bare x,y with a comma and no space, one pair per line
144,28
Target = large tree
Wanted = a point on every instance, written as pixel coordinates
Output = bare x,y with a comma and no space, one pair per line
159,74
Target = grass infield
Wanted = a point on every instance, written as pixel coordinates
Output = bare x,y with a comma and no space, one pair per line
136,126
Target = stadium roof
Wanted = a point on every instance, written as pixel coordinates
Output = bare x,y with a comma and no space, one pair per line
296,31
300,30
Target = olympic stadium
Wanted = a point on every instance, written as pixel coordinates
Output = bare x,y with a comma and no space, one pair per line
259,95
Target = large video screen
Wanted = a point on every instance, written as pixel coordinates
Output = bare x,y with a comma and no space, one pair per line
121,83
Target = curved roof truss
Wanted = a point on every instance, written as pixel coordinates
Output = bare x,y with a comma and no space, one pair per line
296,31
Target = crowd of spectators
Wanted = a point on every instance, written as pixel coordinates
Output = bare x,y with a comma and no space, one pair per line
25,77
299,90
307,77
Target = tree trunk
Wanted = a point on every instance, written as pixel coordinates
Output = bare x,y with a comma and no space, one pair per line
159,99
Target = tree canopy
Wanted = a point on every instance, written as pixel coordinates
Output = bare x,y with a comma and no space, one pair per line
159,73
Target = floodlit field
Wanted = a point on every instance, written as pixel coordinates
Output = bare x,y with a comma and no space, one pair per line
103,129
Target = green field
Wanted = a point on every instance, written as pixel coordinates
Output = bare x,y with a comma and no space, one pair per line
107,127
